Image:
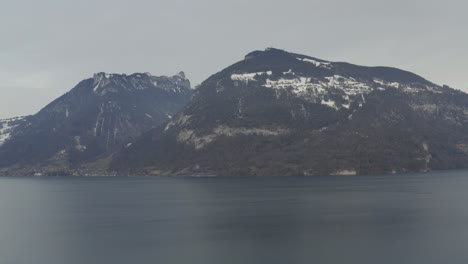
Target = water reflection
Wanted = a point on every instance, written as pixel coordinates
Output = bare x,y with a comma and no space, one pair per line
384,219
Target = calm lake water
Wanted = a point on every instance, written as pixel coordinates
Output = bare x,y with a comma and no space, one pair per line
380,219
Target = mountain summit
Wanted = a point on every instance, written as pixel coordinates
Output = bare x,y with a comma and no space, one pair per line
281,113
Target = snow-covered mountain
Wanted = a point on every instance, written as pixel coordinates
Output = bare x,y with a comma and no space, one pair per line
96,117
315,83
280,113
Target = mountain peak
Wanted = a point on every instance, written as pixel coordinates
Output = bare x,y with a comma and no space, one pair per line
267,52
103,75
104,83
181,74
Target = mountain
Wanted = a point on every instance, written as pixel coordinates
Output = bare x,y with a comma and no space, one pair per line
94,119
280,113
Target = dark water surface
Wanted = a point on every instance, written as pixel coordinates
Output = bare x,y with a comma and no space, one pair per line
381,219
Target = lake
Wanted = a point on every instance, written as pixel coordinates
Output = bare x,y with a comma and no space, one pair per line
412,218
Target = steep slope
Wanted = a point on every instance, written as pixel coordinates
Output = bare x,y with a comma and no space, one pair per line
95,118
280,113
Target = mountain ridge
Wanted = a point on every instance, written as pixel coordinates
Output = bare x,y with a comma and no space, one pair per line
273,113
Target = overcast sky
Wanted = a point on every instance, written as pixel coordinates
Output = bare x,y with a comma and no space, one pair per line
48,46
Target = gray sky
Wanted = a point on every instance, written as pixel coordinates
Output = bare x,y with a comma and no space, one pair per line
48,46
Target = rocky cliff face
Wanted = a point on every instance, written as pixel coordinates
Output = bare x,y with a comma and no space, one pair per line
280,113
91,121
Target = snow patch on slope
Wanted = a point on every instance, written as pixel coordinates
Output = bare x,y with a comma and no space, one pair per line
318,64
408,88
189,137
315,89
331,104
246,77
7,126
335,91
78,146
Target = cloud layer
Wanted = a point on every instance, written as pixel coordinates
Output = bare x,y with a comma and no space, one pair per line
48,46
